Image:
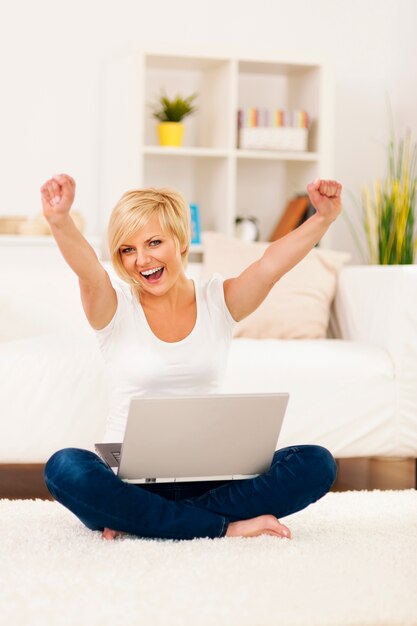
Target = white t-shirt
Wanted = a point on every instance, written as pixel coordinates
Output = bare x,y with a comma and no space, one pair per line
138,363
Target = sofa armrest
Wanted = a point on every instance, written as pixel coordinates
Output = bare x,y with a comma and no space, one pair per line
378,305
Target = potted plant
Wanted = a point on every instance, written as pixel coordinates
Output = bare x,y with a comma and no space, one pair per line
170,114
388,215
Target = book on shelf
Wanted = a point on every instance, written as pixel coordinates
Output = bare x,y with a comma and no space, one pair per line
272,129
296,212
253,117
195,224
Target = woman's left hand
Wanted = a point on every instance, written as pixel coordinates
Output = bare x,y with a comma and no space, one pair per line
325,197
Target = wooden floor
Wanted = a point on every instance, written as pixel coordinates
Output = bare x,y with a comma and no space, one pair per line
19,481
22,481
375,473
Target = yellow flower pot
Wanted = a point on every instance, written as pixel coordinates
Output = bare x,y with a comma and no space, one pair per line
170,133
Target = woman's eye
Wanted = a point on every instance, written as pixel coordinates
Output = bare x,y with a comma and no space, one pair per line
127,250
156,242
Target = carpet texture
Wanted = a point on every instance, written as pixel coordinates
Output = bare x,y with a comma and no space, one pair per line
352,561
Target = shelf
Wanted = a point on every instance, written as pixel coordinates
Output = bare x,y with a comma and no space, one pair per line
275,68
196,248
45,241
185,152
209,78
184,62
273,155
208,169
30,251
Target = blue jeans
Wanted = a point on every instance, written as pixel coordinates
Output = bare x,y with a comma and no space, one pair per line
83,483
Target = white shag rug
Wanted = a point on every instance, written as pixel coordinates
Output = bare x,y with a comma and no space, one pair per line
352,561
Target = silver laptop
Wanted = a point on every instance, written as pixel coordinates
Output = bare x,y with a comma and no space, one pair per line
211,437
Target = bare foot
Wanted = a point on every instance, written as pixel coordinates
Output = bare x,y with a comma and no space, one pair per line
262,525
111,534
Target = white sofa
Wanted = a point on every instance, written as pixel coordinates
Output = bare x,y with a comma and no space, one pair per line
356,394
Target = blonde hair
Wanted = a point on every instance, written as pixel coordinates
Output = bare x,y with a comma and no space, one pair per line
134,210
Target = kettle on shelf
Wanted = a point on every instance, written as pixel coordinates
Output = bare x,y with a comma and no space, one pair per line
247,228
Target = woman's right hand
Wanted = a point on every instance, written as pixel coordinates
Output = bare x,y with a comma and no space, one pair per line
57,197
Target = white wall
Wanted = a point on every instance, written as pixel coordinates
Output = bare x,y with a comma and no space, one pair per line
52,54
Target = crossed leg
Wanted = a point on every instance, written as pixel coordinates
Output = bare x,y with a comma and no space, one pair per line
297,477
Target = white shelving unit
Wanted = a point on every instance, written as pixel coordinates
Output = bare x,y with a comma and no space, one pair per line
209,169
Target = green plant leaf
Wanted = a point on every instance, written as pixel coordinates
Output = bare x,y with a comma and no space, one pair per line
175,109
389,216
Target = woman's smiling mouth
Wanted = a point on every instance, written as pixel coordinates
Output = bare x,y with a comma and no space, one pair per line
153,275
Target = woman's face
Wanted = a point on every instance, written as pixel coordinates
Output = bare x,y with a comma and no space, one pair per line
152,257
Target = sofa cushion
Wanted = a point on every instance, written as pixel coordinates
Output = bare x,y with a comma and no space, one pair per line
343,394
40,299
298,306
53,395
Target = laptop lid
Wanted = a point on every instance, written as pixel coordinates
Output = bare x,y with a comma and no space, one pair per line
211,437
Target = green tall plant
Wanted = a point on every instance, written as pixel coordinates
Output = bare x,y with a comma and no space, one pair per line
389,215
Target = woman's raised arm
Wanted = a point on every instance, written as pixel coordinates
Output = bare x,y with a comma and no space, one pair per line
97,293
247,291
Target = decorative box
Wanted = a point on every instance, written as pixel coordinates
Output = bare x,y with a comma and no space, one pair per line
282,138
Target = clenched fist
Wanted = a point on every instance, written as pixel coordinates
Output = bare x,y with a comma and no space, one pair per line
325,197
57,197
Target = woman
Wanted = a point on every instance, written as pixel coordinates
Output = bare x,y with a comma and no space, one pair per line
162,334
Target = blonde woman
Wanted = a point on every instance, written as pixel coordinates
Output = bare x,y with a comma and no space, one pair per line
161,333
